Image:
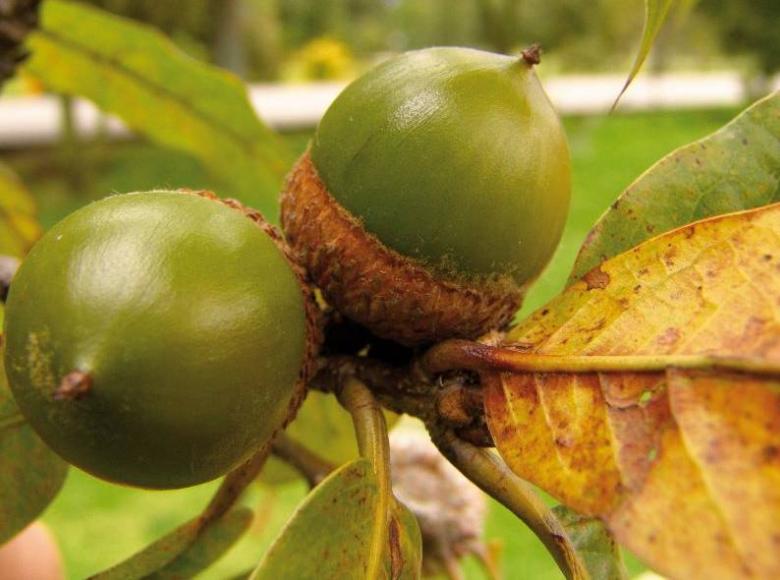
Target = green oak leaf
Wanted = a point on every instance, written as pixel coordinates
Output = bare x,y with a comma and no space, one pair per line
185,551
735,168
595,545
656,12
331,533
135,72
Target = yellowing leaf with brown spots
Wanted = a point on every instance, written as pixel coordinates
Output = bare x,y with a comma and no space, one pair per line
682,466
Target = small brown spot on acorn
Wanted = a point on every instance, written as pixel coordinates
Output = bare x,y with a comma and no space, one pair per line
74,386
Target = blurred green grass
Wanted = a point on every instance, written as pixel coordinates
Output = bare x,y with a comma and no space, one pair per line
98,524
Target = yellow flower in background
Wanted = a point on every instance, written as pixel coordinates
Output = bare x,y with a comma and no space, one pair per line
321,59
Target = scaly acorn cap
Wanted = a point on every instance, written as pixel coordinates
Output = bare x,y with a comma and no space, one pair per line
434,192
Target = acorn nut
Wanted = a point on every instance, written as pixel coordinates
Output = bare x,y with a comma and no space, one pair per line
158,339
434,192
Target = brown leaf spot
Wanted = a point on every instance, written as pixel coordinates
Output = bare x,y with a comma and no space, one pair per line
601,323
396,555
669,255
755,328
669,337
596,279
771,453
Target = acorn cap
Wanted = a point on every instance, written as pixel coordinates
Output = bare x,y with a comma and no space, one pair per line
397,298
453,162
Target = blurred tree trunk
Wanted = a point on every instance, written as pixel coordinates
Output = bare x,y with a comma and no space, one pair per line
74,162
229,49
499,24
264,42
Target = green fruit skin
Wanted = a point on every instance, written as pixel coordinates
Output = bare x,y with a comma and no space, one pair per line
452,156
189,320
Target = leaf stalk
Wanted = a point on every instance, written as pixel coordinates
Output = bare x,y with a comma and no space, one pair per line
374,445
233,486
488,472
464,354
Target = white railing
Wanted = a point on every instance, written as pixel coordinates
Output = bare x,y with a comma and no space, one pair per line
26,121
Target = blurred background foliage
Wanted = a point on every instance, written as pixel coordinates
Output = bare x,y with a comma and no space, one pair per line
304,40
311,39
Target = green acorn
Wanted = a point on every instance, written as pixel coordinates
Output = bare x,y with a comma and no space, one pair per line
158,339
434,192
